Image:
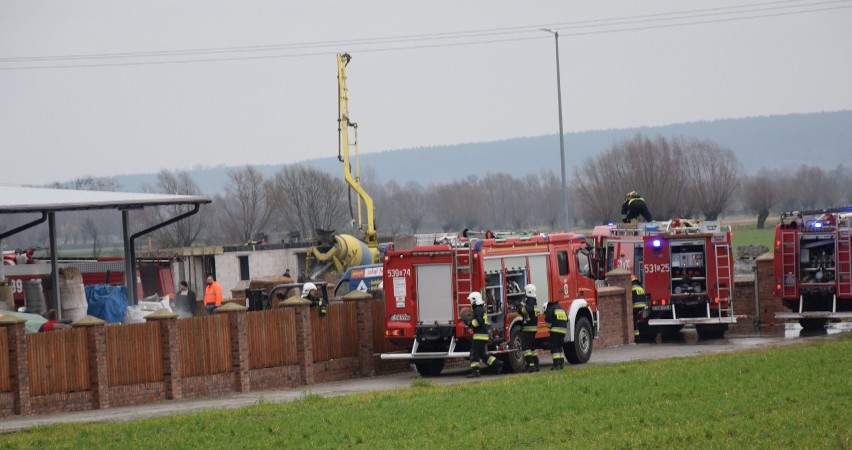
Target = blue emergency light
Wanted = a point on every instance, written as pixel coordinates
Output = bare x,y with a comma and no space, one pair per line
817,224
656,243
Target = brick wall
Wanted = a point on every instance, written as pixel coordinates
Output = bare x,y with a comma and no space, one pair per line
615,307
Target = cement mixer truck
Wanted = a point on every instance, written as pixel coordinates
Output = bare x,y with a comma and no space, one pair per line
343,251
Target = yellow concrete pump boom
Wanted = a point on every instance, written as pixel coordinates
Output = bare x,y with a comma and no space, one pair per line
354,182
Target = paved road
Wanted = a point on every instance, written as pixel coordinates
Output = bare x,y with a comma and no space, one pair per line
686,345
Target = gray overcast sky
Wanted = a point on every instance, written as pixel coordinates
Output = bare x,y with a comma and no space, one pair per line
122,117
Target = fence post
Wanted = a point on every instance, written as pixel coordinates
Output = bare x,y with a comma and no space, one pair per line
239,344
167,323
304,337
19,367
621,278
98,370
364,316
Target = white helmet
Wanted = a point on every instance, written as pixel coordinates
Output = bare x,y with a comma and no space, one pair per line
475,298
307,288
530,290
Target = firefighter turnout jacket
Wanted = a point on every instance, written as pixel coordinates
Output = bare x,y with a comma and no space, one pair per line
480,324
556,318
529,313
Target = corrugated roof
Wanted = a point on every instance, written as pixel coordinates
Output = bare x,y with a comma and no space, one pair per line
19,199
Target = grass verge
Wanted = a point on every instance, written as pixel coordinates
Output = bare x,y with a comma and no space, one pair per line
788,397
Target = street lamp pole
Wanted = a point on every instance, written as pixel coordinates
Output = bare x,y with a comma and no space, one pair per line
561,134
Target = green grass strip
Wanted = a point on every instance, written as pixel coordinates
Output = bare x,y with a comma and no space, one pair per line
797,396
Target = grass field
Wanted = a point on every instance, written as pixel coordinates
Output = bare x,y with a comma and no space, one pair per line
796,396
746,233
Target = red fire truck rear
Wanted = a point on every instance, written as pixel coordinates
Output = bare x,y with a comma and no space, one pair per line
685,267
813,266
426,289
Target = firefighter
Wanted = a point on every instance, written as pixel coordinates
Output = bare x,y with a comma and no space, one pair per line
633,207
529,326
481,334
640,305
557,321
311,293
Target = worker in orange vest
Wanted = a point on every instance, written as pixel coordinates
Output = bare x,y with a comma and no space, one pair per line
212,295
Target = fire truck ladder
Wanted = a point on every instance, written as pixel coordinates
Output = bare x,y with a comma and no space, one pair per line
843,260
724,277
463,268
789,266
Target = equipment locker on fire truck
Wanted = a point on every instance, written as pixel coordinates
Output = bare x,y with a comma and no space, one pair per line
813,266
686,268
427,287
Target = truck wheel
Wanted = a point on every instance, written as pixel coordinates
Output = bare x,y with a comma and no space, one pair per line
715,331
813,324
579,351
430,367
516,360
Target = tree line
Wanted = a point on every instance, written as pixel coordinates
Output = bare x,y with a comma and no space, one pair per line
678,177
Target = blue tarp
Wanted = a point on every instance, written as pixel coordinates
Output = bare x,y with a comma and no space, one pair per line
107,302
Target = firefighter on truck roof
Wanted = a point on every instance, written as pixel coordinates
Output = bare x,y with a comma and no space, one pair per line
529,326
633,207
481,334
557,320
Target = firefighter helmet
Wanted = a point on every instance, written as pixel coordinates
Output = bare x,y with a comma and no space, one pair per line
633,194
475,298
307,288
530,290
634,278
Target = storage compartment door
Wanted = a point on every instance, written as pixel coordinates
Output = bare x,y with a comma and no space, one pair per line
435,293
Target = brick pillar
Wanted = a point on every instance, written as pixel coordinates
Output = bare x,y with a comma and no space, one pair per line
239,344
769,305
19,367
621,278
167,323
364,314
98,371
305,346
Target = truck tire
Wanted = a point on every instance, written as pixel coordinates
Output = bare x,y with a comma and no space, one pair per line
579,351
430,367
715,331
516,360
813,324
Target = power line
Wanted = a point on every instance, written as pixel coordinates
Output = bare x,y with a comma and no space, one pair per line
470,37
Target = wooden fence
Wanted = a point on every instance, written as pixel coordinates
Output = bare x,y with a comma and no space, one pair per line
5,382
271,337
336,334
134,353
204,345
58,362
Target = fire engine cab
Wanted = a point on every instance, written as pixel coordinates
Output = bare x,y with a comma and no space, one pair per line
813,266
426,290
685,267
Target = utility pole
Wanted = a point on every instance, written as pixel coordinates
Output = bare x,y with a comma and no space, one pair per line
561,134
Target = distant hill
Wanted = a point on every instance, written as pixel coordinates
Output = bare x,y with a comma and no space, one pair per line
787,141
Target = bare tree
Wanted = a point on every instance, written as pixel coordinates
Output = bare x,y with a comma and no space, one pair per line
247,204
714,175
459,204
184,232
308,199
90,228
88,183
816,189
760,194
412,205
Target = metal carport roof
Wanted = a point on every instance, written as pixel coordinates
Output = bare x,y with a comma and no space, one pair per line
47,202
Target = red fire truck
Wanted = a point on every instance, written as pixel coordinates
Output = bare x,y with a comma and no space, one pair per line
813,266
426,289
685,267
